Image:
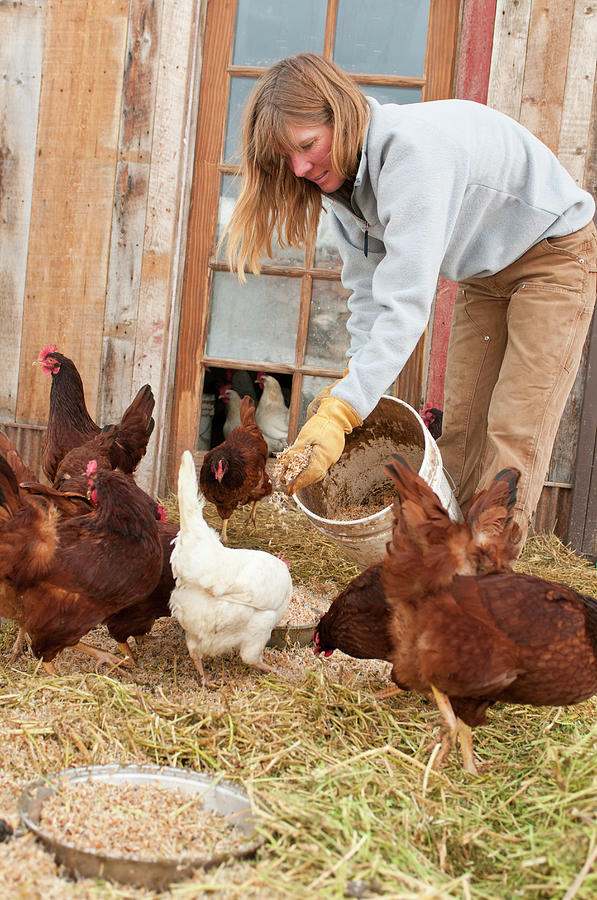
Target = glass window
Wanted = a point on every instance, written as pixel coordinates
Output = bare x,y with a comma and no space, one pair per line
389,93
240,90
327,338
312,385
326,251
388,37
269,30
254,321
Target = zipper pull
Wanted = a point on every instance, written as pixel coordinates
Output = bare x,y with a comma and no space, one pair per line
366,243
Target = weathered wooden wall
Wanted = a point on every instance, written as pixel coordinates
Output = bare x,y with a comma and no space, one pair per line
541,72
95,146
97,130
22,34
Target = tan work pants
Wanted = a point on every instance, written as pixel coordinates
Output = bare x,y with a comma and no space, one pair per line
515,346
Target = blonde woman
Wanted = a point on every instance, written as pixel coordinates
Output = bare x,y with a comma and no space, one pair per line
415,191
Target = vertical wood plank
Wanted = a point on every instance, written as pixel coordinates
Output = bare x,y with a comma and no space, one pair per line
573,144
130,209
582,530
474,51
204,206
442,322
509,56
22,30
441,41
545,70
580,81
583,513
471,83
168,199
73,192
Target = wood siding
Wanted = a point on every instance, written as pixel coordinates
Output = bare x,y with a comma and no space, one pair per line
98,111
96,144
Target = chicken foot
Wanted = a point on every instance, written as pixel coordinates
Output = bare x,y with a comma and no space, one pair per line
454,728
223,531
253,513
17,647
199,666
263,667
102,656
127,652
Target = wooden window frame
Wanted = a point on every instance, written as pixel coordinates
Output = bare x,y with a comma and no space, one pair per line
200,264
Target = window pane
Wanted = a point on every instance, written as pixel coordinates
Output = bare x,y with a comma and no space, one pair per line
389,36
387,93
268,30
326,252
240,89
254,321
289,256
312,385
327,338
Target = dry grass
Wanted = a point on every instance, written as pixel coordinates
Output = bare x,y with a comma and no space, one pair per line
349,805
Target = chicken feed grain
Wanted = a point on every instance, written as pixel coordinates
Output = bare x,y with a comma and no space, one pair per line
142,820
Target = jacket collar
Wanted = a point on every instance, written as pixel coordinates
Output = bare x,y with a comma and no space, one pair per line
337,196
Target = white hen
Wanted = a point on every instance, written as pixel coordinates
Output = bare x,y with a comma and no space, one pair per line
232,400
224,598
272,414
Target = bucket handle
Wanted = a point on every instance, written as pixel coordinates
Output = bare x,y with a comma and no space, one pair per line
449,477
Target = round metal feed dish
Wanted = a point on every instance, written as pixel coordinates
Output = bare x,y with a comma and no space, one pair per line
218,796
358,480
284,636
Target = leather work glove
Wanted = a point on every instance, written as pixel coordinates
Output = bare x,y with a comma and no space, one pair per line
324,392
325,432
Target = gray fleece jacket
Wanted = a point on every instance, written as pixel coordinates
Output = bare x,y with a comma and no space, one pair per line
451,188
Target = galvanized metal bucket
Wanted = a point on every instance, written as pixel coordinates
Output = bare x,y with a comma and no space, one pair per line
358,476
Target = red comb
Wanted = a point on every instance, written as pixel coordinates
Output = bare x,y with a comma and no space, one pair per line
91,467
51,348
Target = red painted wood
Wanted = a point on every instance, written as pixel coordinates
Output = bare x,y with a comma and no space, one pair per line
444,302
476,42
472,80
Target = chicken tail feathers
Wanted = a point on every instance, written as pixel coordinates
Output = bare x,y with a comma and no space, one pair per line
134,431
501,493
190,498
142,406
10,452
9,488
247,411
493,530
413,492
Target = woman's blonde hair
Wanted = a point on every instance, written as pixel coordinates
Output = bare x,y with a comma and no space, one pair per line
305,90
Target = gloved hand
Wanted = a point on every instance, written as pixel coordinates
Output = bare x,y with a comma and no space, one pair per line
324,432
325,392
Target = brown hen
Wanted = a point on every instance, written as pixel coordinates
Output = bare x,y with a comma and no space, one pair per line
358,621
71,574
474,640
233,473
138,619
70,425
67,505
